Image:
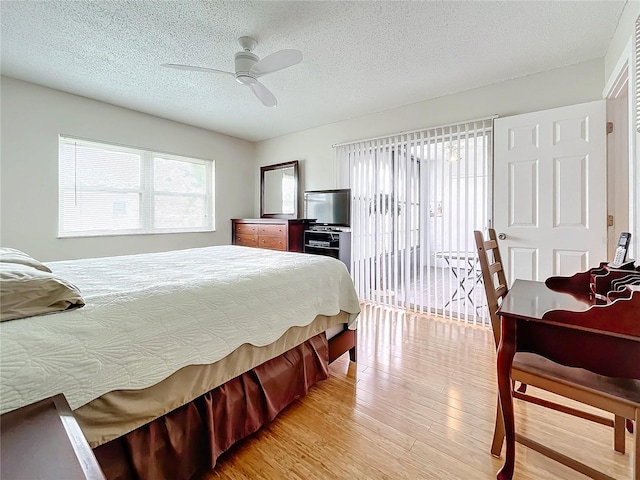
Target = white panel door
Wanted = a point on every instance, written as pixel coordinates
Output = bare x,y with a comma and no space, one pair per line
550,199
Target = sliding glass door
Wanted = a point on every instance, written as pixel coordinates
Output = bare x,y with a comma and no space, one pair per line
417,198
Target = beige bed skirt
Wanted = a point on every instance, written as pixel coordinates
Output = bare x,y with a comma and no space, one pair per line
122,411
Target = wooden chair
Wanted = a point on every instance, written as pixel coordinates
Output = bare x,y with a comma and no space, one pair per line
530,369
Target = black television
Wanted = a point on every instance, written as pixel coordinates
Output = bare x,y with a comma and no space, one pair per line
331,208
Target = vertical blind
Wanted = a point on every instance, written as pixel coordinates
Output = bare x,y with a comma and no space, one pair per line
417,197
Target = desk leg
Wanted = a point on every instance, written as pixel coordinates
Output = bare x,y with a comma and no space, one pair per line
506,351
636,446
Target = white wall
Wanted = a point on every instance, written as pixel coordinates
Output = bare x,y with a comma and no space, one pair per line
32,119
566,86
624,32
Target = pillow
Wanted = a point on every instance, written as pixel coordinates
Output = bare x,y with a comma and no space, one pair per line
11,255
26,291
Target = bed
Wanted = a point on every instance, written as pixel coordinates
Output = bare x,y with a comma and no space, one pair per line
177,355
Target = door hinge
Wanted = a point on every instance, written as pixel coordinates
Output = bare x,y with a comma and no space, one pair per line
609,220
609,127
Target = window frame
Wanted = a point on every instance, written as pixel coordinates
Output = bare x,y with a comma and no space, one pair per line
146,191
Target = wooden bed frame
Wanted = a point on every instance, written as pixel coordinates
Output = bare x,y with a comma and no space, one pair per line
347,340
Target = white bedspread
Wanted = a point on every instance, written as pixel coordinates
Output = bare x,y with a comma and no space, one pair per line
147,316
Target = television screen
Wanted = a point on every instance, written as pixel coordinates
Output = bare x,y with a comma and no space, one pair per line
329,207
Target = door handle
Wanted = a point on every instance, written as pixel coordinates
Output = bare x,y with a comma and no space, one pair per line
502,236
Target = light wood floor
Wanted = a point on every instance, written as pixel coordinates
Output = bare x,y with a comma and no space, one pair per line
419,404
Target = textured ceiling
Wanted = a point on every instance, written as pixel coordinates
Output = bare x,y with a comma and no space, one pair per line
359,57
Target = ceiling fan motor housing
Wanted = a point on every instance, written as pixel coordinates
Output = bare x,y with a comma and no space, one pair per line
244,61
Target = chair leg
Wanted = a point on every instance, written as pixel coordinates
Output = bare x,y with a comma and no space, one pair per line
618,433
498,433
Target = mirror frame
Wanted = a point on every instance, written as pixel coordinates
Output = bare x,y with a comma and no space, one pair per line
280,166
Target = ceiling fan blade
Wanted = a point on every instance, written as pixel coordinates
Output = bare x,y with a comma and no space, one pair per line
276,61
263,94
195,69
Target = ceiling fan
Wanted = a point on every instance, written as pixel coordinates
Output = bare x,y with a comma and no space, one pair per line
249,68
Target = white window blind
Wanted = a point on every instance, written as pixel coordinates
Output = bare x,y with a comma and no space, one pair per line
114,190
417,198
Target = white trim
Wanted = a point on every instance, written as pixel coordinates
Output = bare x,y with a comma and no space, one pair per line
620,82
634,140
614,81
623,75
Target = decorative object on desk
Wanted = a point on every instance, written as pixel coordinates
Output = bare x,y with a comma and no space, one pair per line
248,68
600,280
279,190
619,285
536,370
620,259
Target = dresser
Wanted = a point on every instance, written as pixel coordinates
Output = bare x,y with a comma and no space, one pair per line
272,233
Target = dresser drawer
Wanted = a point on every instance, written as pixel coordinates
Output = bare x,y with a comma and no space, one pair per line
270,233
273,243
272,230
246,228
247,240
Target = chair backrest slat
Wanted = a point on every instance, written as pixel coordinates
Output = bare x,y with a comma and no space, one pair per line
490,244
501,292
491,268
495,267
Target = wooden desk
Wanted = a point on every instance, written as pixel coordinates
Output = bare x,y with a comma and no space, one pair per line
568,329
43,441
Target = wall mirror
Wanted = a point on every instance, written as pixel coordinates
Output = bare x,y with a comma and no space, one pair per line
279,190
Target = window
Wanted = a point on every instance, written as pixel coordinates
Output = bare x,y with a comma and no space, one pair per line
113,190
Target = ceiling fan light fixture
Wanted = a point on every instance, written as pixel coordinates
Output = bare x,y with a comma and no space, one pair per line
247,43
244,61
246,79
249,67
